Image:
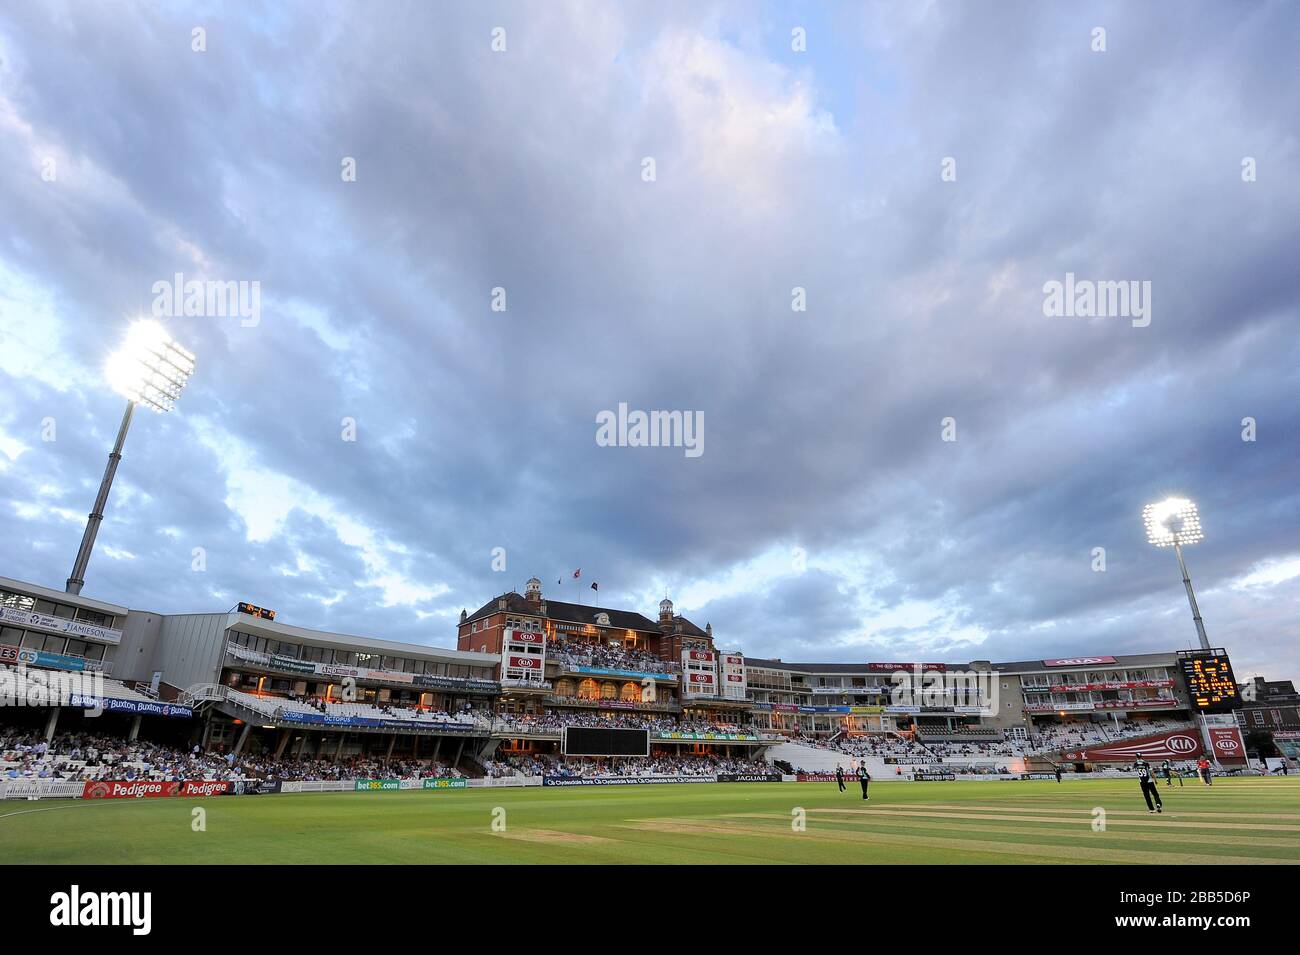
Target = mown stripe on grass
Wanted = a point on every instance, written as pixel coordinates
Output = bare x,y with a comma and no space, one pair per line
1161,821
1175,843
1109,812
553,837
1078,829
1075,853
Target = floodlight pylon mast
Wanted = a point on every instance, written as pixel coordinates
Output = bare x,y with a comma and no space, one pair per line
96,517
1191,598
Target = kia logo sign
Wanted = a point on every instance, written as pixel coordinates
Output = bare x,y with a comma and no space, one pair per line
1181,744
1078,661
1227,745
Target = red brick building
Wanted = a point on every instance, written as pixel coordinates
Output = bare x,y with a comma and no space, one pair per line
560,655
484,629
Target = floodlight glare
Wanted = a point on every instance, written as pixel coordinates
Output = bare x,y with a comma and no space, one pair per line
149,369
1174,522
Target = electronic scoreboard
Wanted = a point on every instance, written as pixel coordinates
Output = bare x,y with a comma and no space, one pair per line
1211,685
255,611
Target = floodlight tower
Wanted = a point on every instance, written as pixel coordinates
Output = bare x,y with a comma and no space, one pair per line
151,370
1174,522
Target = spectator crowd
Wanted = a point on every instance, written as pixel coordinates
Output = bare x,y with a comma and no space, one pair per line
581,766
85,757
605,657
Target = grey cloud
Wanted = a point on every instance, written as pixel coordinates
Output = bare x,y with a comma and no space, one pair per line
523,171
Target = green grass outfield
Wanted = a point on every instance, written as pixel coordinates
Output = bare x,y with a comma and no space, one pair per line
1237,821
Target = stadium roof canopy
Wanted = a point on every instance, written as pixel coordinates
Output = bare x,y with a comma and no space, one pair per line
284,631
59,596
1027,666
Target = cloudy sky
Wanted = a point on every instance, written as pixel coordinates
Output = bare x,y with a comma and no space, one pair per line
919,170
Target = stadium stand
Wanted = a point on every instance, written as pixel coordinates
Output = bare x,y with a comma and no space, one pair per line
85,757
579,654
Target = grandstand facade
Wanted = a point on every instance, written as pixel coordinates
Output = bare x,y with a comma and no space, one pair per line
528,670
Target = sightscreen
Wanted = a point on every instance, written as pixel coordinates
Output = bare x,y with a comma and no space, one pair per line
590,741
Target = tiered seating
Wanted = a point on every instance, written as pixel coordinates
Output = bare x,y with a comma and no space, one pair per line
30,685
1080,735
370,711
25,754
575,766
576,653
269,705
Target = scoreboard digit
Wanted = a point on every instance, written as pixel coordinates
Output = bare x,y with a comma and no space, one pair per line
1211,685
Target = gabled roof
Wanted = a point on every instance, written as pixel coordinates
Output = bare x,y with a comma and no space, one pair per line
563,612
689,628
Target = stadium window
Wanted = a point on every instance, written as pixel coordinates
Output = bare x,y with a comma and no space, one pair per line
76,648
10,636
32,640
95,651
45,606
16,601
95,617
54,644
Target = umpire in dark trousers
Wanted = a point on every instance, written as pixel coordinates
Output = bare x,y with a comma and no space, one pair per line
839,777
864,777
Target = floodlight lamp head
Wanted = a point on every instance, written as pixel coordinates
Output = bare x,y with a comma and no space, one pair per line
150,368
1172,521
